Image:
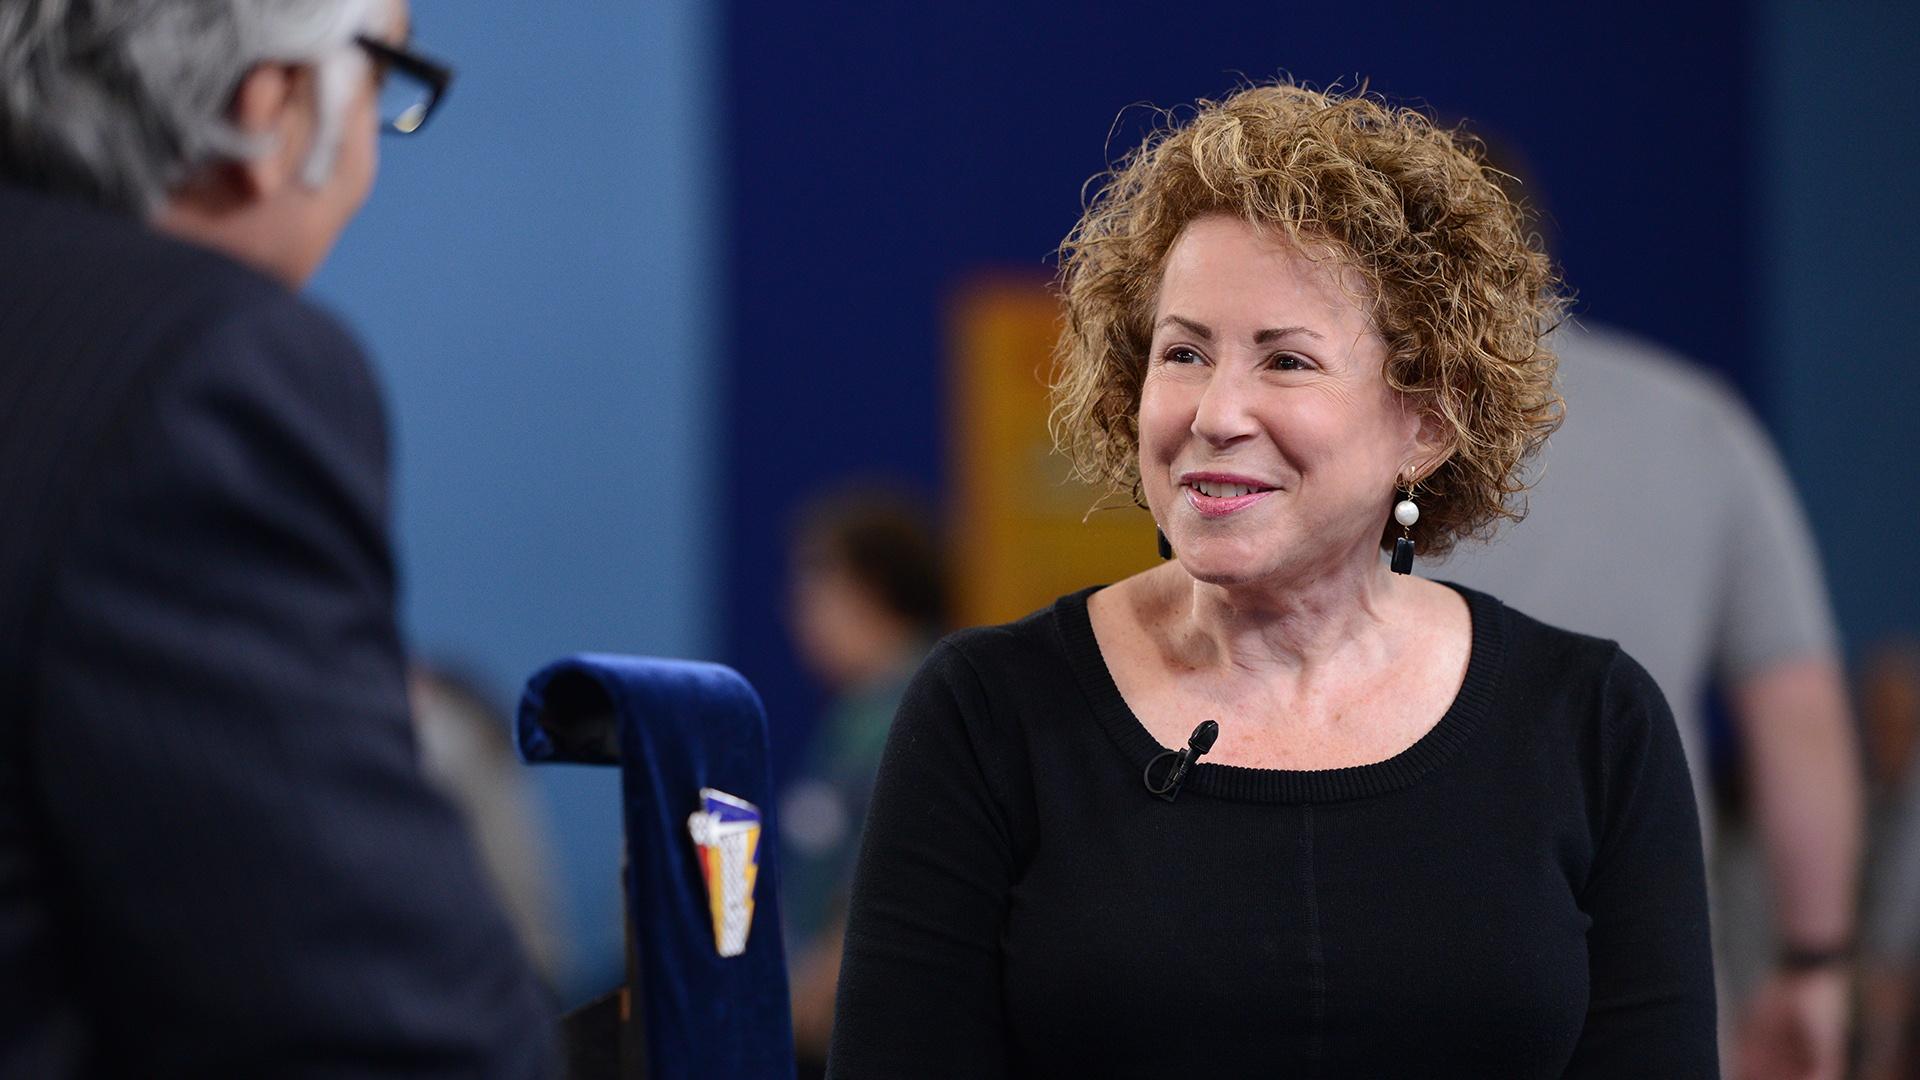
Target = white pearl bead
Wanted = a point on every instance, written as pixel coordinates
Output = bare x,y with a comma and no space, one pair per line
1406,513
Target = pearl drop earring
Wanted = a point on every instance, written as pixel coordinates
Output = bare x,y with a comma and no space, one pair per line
1406,513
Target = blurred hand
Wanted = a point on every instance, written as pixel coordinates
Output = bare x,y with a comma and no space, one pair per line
814,975
1795,1028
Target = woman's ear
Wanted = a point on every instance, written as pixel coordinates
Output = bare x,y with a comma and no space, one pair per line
1433,444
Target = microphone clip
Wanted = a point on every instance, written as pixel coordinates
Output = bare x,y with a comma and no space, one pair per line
1198,743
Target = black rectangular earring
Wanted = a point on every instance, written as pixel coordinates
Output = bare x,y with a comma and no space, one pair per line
1406,513
1166,549
1402,555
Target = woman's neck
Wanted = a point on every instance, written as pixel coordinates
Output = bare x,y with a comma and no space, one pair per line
1297,626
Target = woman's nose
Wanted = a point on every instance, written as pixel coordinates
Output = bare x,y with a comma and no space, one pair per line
1224,412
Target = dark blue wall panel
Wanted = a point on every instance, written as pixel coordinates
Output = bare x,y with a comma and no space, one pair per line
1843,203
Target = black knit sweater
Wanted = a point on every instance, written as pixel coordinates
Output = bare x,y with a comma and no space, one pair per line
1518,894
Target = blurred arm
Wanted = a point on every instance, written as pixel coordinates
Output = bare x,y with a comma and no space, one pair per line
1803,765
1806,790
1777,658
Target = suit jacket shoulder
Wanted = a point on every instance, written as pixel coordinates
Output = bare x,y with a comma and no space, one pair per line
100,319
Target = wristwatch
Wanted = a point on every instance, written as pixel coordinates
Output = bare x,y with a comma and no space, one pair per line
1800,958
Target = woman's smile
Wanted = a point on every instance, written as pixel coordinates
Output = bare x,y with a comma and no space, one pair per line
1215,495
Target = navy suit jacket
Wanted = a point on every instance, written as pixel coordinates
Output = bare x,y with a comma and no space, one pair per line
217,854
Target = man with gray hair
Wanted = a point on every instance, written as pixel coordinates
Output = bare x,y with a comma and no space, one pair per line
217,854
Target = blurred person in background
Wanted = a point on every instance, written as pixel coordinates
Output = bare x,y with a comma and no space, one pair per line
1661,517
1890,1009
1890,721
870,595
1435,837
218,855
467,752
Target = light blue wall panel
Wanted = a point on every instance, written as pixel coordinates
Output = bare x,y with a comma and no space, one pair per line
534,277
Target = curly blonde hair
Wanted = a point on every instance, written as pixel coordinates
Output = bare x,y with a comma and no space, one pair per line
1459,288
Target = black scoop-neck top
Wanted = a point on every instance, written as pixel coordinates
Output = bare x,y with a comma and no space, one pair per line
1518,894
1443,740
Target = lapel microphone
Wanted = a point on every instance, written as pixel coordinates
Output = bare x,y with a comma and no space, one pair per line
1198,743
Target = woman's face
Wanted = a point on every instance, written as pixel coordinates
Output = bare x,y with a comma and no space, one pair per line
1270,443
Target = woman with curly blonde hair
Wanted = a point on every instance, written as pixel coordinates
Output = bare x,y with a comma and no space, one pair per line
1431,836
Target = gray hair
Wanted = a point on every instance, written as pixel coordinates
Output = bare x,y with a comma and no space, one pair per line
121,101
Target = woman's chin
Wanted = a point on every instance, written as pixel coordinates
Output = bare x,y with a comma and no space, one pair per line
1229,564
1225,565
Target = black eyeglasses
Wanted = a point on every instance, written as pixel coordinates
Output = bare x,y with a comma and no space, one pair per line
411,85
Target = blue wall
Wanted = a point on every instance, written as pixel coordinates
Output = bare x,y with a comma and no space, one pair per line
533,276
900,151
1842,212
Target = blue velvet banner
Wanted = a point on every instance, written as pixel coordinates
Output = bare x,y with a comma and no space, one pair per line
691,742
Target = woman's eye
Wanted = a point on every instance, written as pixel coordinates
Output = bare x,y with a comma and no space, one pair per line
1180,354
1290,362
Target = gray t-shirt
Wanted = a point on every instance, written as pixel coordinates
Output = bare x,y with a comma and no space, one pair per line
1662,520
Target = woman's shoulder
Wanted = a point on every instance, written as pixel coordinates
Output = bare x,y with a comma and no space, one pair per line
1042,640
986,693
1580,710
1003,682
1534,649
1586,688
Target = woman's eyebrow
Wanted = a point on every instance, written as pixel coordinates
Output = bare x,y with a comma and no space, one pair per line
1265,336
1205,333
1197,329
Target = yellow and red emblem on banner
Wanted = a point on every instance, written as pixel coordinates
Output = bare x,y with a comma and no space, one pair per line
726,834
